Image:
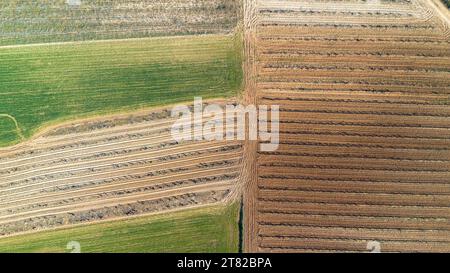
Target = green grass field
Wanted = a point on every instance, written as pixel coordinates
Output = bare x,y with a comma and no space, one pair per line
9,130
213,229
45,84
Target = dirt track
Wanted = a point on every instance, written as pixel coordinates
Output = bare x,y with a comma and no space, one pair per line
363,89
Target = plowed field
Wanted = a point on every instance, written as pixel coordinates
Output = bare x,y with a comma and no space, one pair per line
363,89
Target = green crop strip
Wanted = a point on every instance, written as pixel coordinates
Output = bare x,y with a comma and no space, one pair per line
213,229
45,84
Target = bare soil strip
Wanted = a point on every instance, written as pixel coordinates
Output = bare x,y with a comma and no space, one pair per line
112,167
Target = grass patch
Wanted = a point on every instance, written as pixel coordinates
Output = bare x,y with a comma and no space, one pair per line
213,229
44,84
8,131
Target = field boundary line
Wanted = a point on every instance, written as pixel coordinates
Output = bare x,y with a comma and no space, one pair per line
249,179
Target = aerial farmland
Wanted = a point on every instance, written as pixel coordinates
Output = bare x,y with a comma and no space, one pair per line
363,91
87,89
87,148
